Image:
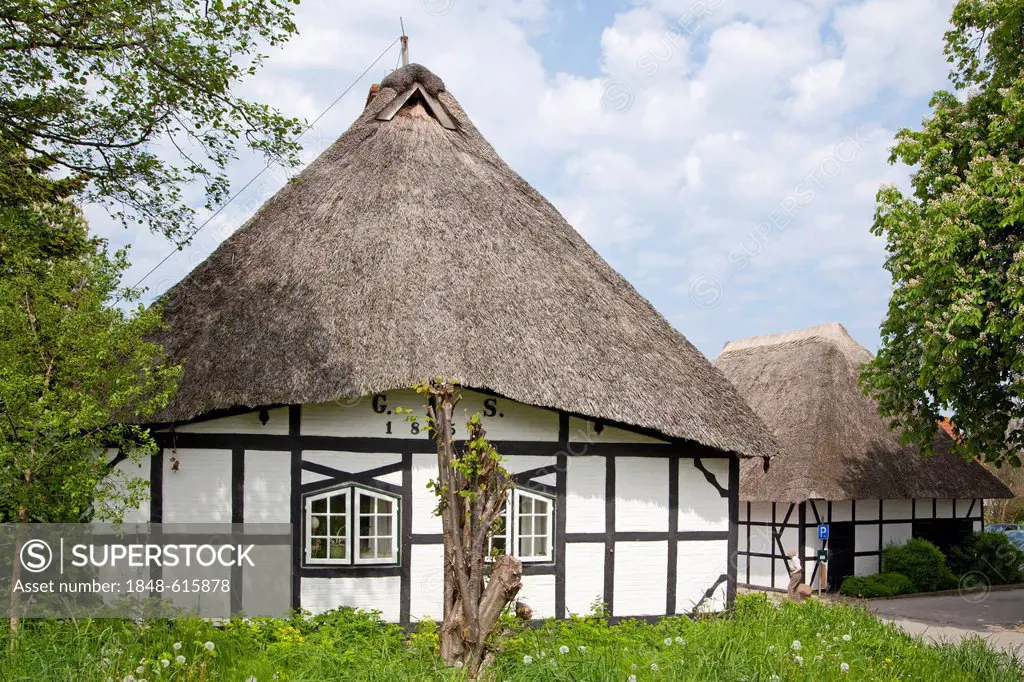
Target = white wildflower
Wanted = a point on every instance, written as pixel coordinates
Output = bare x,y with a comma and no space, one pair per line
680,641
164,662
527,660
795,645
140,670
209,646
176,646
654,667
581,648
563,649
459,664
179,659
631,678
847,638
799,660
844,668
668,641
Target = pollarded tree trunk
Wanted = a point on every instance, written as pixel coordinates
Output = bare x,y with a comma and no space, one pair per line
472,487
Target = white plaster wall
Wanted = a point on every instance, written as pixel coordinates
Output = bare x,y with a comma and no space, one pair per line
353,463
426,572
867,510
584,495
897,509
866,537
761,511
944,509
865,565
200,491
741,568
640,585
963,506
268,478
701,507
538,593
511,420
698,566
584,573
761,571
582,431
424,468
741,538
277,424
896,533
760,539
790,538
840,511
370,594
641,494
977,526
517,463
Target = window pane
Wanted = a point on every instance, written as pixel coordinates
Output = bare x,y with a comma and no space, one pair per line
525,505
336,526
540,525
366,548
498,544
318,525
365,526
526,547
338,504
320,506
384,526
365,504
384,548
540,546
318,549
383,506
526,525
540,506
337,549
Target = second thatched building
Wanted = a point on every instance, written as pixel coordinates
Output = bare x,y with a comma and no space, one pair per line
840,465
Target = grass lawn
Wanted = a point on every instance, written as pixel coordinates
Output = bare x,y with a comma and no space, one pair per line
812,641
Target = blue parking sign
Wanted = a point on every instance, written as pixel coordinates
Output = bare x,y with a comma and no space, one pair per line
823,531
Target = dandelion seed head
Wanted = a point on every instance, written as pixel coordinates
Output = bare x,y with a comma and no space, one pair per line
179,659
795,645
209,646
847,638
631,678
681,641
844,668
140,670
654,667
164,662
581,648
527,660
799,660
563,649
668,641
177,646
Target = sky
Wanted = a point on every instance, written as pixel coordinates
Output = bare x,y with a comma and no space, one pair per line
723,155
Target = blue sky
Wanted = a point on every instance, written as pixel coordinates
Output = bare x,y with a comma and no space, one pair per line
723,155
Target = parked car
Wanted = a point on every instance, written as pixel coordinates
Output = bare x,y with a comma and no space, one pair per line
1003,527
1017,538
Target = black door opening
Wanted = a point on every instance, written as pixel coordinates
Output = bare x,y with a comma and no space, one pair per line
840,556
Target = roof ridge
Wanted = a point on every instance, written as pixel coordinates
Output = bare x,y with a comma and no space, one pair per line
832,333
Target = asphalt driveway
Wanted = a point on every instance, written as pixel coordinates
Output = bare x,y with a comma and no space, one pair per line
996,616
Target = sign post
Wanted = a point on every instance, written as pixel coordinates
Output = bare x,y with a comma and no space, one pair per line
823,557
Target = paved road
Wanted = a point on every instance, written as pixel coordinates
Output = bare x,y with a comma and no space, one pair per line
952,617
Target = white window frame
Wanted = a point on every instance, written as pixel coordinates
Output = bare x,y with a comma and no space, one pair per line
511,534
308,529
353,493
357,497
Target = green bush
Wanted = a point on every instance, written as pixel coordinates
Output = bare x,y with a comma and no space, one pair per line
881,585
991,555
922,562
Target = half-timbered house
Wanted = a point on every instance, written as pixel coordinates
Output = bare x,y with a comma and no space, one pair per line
839,465
409,250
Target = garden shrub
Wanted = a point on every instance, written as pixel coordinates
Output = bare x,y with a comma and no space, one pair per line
991,555
922,562
881,585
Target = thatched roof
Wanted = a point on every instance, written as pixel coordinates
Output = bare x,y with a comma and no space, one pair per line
835,446
410,250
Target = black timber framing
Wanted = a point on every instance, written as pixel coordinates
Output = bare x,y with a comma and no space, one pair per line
295,443
806,522
673,528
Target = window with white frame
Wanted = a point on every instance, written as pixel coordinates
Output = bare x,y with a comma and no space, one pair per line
530,535
351,525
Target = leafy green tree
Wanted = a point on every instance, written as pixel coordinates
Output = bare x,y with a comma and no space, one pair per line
74,370
92,89
953,338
